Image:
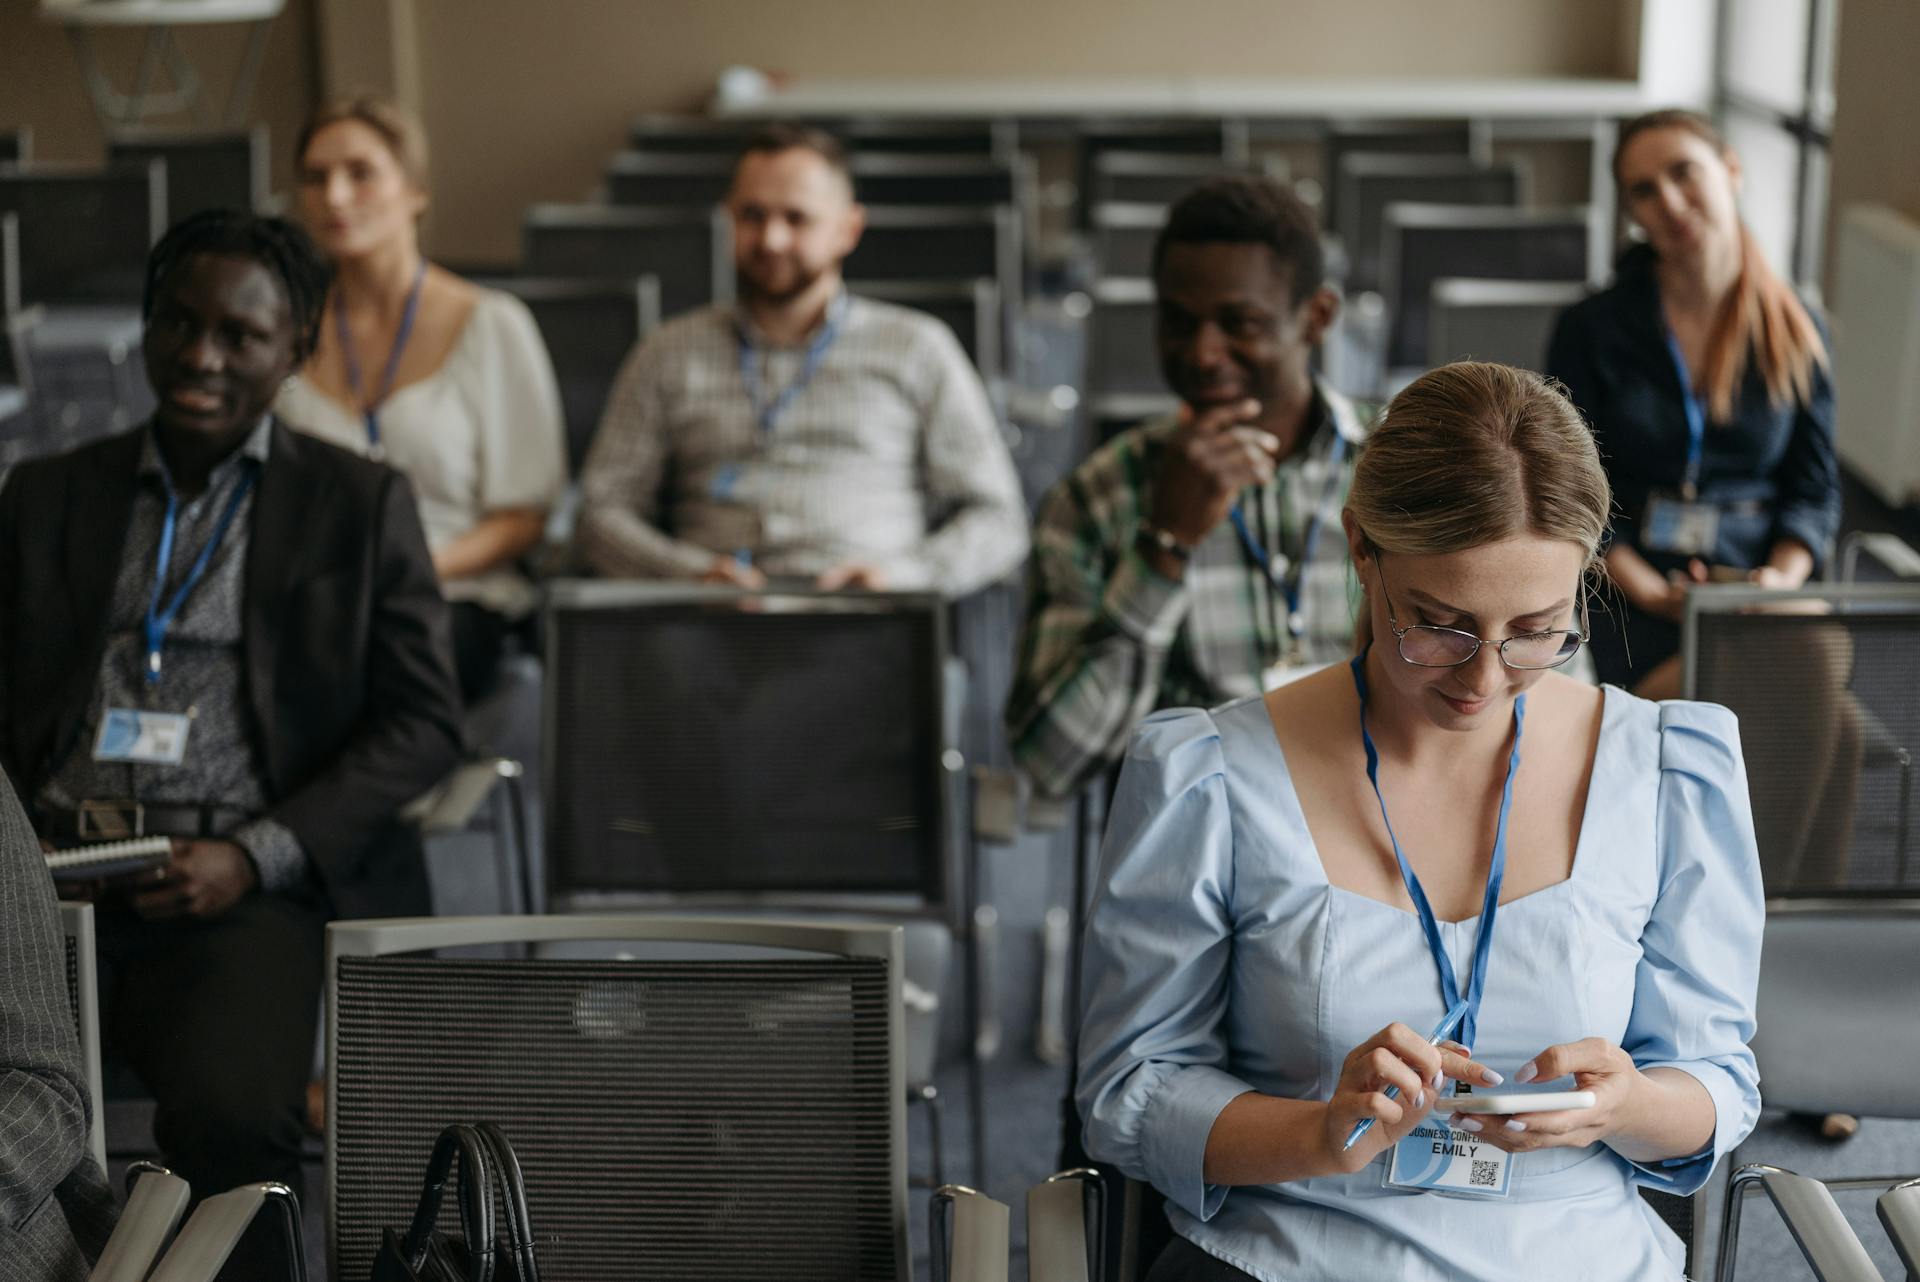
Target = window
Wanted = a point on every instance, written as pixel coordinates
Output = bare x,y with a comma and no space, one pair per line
1775,105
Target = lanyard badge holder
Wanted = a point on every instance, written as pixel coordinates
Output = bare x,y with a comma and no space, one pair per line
1435,1157
1682,524
375,449
1290,579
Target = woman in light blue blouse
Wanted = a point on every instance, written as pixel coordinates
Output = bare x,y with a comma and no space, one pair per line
1296,889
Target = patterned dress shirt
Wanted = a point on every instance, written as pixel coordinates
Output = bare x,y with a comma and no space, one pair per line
204,673
1108,639
883,449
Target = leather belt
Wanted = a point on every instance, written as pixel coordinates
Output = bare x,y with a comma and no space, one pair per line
114,820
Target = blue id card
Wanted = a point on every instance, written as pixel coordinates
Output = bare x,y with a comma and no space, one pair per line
1438,1158
1682,527
142,737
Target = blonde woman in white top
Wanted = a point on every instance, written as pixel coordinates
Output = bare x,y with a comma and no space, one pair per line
446,381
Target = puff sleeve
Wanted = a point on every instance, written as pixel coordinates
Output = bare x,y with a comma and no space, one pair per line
1158,950
1693,1004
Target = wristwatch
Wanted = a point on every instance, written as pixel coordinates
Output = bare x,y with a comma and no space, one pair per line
1164,540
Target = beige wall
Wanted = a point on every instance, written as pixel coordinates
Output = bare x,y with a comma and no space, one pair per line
1876,125
40,81
524,102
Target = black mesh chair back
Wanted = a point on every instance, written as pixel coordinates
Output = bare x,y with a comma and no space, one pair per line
1426,242
940,243
690,135
16,145
85,233
1123,237
1826,684
1368,183
687,250
1151,177
1386,138
998,139
590,327
711,748
669,180
206,169
900,178
83,994
724,1100
1123,355
970,308
1509,321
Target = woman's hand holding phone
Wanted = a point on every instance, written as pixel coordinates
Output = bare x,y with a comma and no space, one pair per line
1596,1066
1395,1056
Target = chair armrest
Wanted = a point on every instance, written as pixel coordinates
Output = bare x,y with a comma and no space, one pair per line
1066,1227
1819,1229
1899,1211
215,1229
975,1248
449,805
158,1200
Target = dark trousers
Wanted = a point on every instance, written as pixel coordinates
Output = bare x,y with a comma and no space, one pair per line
217,1019
479,639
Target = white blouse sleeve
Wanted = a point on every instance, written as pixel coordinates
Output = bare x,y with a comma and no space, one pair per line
522,433
1159,947
1693,1000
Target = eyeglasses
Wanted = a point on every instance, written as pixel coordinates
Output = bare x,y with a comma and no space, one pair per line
1427,646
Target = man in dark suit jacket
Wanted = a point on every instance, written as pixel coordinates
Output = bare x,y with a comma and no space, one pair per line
222,632
55,1206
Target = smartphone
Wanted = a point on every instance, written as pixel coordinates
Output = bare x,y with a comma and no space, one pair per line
1514,1102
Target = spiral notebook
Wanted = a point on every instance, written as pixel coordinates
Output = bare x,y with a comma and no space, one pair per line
109,858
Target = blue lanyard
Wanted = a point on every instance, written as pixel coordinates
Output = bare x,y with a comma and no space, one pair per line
767,414
160,618
1496,872
400,337
1696,417
1296,621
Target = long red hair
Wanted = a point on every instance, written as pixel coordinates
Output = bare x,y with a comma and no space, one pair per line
1763,318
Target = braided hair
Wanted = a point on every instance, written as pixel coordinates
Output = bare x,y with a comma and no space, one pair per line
276,244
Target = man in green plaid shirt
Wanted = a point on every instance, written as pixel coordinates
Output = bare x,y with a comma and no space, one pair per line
1198,558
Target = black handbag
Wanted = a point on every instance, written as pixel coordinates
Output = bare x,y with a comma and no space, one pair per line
485,1160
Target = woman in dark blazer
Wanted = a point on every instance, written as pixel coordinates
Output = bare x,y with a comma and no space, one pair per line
1709,390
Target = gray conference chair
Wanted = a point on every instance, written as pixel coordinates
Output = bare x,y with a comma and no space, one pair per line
85,230
689,135
1152,177
1123,236
83,992
1811,1215
929,242
1826,683
979,181
1899,1211
970,308
723,1098
688,250
1423,243
16,323
1508,321
995,139
669,179
1367,183
590,327
206,168
1345,139
1123,357
967,1235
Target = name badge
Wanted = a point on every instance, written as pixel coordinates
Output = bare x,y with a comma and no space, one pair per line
1678,526
1434,1157
145,738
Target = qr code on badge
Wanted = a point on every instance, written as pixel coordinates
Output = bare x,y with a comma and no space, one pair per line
1485,1175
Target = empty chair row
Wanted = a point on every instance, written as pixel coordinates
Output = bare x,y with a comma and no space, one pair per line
675,179
690,250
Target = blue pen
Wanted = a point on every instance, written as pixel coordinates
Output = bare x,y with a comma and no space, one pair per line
1441,1032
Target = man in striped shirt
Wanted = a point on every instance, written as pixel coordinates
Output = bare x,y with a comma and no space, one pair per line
807,434
1198,558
